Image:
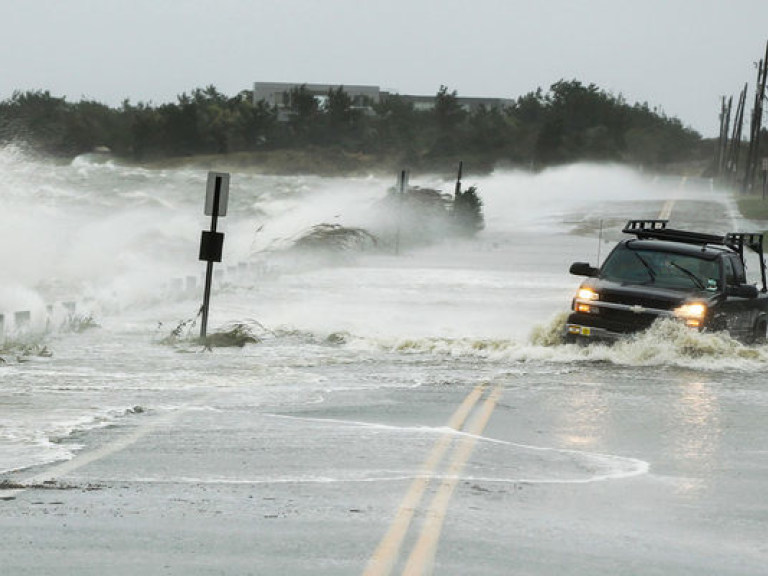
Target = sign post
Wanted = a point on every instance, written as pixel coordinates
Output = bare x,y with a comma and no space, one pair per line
212,242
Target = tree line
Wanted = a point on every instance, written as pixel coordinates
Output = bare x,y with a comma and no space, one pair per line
568,122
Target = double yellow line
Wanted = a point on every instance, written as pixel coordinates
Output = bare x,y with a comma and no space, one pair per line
666,210
421,559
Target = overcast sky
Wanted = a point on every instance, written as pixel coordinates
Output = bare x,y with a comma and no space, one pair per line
679,55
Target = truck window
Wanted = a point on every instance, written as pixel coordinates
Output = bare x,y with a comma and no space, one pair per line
734,271
664,269
738,269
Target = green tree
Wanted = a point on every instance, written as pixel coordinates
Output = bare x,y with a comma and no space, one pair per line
449,113
344,124
36,117
468,211
339,108
252,125
449,117
398,127
570,122
304,111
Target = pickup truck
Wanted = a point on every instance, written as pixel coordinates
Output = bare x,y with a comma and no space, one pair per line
660,272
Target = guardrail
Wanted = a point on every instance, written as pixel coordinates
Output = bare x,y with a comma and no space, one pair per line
22,323
16,324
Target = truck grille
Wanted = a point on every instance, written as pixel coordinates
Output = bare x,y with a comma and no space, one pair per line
644,301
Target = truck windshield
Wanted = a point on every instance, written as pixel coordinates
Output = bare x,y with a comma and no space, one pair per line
662,269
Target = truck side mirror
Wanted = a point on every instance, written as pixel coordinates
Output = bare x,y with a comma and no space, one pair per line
742,291
583,269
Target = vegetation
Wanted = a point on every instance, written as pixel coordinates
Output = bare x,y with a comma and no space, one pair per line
569,122
468,211
235,335
336,237
752,206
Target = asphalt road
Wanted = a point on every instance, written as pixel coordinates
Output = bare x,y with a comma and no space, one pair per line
471,466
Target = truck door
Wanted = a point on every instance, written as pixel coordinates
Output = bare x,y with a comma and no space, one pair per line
741,313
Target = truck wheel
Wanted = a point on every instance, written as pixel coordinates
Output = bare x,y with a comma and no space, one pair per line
718,325
759,334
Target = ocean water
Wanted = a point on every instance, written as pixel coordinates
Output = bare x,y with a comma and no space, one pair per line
103,257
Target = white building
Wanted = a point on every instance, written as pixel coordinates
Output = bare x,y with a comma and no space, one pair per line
278,94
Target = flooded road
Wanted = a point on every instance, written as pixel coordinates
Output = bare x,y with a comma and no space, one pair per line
400,414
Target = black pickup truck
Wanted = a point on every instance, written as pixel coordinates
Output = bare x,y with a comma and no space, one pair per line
661,272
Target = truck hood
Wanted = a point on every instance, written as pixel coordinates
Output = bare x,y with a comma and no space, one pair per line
645,295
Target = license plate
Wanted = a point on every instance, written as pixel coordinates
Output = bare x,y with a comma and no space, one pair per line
586,331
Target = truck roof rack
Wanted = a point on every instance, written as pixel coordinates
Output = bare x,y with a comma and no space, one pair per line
657,230
736,241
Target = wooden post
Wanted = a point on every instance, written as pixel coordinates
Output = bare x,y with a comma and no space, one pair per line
457,191
403,185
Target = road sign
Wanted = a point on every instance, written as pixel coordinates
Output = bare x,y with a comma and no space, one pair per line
211,245
210,192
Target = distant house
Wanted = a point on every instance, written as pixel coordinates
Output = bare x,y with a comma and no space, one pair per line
423,103
278,95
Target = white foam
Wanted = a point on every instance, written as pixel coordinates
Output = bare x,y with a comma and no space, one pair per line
607,466
666,343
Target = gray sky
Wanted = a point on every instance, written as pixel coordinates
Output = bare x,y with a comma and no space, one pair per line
679,55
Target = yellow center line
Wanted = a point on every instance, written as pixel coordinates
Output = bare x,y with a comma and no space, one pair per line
383,559
666,210
422,558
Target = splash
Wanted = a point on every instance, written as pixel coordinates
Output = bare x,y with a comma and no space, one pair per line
550,334
667,343
124,238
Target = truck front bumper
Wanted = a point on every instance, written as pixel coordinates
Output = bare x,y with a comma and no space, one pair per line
581,333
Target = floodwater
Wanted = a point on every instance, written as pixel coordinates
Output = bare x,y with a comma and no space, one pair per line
647,457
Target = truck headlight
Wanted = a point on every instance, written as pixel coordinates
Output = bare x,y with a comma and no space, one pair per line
587,294
693,313
584,307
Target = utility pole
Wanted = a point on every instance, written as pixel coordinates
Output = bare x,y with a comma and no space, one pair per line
734,152
722,140
765,175
756,124
724,153
721,156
